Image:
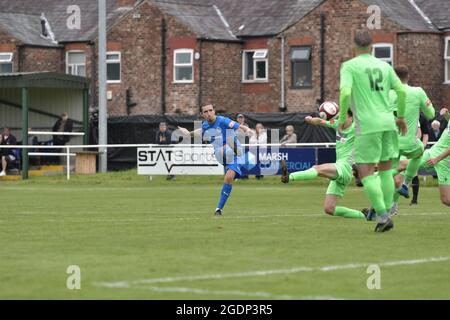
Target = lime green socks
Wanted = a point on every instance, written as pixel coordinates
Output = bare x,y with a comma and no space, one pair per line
309,174
387,187
372,187
396,197
411,170
348,213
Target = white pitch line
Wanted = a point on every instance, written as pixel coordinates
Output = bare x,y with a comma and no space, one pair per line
258,294
262,273
160,218
217,292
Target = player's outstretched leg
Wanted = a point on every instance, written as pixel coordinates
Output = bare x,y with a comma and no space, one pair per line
331,208
309,174
327,170
226,191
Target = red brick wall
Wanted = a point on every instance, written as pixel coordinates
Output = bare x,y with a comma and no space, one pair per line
423,55
263,96
221,80
343,17
445,92
140,46
42,59
140,43
181,97
8,44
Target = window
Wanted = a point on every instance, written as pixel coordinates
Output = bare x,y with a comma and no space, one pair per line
183,66
384,51
76,63
113,67
447,60
6,62
255,66
301,67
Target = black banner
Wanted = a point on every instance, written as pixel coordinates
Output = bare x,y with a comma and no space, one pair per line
143,129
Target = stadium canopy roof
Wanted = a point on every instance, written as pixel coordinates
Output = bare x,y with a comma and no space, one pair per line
43,80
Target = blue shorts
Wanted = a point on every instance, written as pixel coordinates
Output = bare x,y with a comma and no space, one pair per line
230,161
235,167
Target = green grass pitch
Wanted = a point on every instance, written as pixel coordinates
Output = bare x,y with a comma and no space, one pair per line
136,238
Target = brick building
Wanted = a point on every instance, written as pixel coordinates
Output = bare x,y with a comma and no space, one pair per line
171,56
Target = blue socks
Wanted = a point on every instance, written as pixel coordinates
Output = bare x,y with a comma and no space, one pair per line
226,191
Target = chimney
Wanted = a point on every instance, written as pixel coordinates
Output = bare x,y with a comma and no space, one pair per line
46,30
43,27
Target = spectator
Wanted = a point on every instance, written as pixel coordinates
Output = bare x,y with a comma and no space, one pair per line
64,124
424,135
239,132
259,137
33,141
163,137
435,132
242,136
289,137
7,155
241,119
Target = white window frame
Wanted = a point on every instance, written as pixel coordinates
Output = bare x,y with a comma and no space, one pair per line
119,61
75,65
447,60
9,61
175,65
255,60
384,45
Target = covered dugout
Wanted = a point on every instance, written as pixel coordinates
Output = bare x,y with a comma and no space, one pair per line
37,100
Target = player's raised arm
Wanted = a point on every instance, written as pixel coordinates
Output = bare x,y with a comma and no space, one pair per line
186,132
345,94
400,90
426,106
439,158
316,121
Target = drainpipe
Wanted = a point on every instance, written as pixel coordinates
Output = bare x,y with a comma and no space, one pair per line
163,65
282,101
200,75
20,58
322,57
94,93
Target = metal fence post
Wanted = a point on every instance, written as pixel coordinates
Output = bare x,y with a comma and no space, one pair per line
68,162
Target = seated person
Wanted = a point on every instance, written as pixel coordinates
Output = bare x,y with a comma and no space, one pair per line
289,137
7,155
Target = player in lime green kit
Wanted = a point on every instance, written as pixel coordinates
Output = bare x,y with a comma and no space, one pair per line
366,82
410,145
439,158
339,173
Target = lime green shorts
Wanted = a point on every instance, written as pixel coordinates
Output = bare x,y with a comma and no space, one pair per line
344,177
376,147
408,151
442,168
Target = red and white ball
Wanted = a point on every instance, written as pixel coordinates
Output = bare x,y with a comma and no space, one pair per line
328,110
